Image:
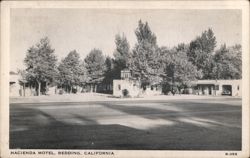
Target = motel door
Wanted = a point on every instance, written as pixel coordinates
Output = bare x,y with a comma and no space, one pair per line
210,90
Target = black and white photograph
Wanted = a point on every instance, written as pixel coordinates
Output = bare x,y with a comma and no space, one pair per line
95,81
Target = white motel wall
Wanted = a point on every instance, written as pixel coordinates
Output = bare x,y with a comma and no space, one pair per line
199,87
218,87
15,87
134,89
120,85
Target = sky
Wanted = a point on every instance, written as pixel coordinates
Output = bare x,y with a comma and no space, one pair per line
85,29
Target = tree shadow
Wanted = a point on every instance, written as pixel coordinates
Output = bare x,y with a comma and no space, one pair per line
55,134
188,109
205,128
32,128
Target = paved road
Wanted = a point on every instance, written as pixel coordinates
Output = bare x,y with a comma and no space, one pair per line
195,124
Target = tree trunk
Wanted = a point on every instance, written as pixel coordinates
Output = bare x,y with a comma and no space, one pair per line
46,86
24,89
78,89
56,90
95,86
39,88
91,88
173,80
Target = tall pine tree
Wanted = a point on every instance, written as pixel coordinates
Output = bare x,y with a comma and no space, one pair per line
121,55
145,55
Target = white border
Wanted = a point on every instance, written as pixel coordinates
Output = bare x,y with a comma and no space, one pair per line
5,43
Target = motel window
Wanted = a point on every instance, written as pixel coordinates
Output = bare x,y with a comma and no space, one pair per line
217,87
119,87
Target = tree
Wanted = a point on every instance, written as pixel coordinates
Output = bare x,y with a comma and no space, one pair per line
96,67
201,52
178,70
145,55
236,58
41,61
228,63
109,73
71,71
84,78
121,55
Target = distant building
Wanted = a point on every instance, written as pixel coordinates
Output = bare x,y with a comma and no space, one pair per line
127,86
14,86
217,87
18,87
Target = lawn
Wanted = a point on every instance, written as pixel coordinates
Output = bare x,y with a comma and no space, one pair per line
174,124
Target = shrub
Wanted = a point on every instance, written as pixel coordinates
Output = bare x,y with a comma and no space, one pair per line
125,93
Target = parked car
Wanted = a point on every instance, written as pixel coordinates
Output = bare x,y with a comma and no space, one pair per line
226,92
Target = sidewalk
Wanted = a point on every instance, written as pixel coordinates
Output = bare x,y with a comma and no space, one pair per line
87,97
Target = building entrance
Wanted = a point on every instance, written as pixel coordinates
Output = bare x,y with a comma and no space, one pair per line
227,90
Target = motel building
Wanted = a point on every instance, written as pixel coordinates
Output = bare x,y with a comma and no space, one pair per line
18,87
130,87
217,87
14,86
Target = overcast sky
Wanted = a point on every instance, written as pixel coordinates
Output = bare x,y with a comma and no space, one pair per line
85,29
